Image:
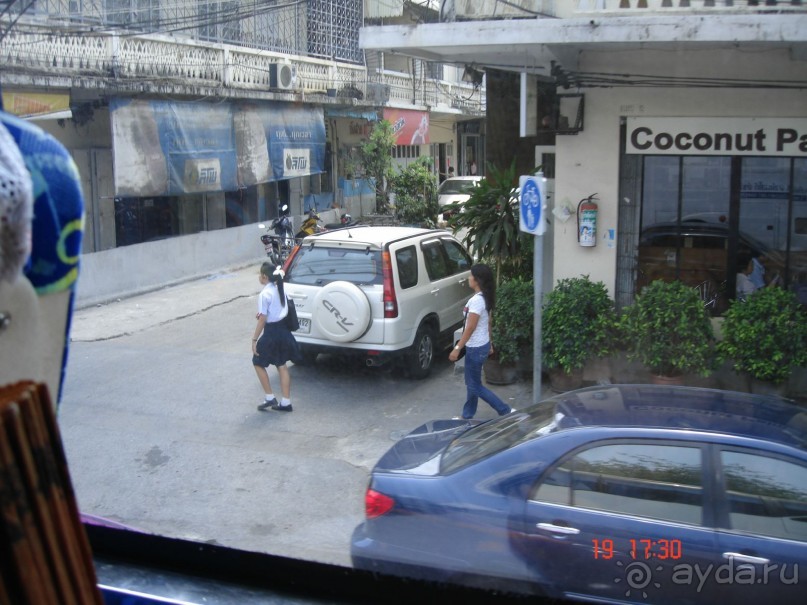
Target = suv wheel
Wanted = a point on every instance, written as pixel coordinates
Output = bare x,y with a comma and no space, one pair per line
421,355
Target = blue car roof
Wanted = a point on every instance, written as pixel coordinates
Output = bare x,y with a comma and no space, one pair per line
651,406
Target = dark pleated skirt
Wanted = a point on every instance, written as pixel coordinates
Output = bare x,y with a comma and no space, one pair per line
276,346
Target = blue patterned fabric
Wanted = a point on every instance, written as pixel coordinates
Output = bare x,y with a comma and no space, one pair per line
58,222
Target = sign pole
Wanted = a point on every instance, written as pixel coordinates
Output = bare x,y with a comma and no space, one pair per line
537,281
531,220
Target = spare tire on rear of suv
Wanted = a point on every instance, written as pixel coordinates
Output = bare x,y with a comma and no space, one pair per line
341,311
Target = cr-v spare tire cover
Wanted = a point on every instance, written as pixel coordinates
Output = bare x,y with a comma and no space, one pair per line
341,311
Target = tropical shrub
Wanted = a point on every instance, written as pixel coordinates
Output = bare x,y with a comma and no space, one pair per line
668,331
578,323
765,336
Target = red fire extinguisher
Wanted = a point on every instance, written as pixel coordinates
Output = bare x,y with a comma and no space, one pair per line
587,221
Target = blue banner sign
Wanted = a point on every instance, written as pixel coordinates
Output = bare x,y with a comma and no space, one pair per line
170,148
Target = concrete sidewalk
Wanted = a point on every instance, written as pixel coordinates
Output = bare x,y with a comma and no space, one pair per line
157,307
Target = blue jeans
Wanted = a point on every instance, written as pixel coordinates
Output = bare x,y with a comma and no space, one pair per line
474,360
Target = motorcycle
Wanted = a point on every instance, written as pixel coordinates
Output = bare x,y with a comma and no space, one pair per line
279,245
310,225
344,221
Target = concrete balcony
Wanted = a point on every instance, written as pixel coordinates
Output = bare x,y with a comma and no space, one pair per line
53,55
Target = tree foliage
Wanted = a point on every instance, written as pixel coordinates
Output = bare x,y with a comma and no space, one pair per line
765,336
415,189
668,331
489,218
513,319
376,157
578,323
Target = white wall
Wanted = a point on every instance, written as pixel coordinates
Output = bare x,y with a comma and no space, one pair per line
127,270
589,162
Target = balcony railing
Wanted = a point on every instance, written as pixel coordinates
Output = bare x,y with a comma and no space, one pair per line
112,62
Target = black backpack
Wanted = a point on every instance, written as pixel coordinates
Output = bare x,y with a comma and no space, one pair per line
292,323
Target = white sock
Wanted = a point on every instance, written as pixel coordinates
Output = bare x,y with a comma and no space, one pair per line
285,401
269,397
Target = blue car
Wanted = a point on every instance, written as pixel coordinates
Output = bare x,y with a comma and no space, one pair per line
618,493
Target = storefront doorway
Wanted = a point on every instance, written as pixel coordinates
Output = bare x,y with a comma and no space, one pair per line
702,217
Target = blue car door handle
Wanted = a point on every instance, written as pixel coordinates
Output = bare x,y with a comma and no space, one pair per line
558,529
741,558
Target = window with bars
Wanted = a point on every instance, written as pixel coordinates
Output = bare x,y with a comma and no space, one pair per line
333,29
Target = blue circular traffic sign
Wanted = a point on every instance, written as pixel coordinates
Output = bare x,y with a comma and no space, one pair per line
531,205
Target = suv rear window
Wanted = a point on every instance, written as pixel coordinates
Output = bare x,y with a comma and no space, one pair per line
320,265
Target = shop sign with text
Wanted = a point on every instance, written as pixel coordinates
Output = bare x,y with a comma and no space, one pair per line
779,137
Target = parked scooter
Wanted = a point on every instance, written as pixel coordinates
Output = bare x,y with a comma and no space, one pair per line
310,225
279,242
345,221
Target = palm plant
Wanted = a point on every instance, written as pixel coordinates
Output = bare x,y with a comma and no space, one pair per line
489,218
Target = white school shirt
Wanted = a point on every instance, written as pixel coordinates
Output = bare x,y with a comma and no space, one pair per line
480,335
269,304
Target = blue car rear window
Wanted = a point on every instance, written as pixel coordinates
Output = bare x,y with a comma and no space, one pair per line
498,435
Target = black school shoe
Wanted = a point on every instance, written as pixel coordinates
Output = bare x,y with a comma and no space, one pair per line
282,408
267,404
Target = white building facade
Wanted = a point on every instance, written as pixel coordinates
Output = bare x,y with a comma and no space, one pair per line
190,122
692,112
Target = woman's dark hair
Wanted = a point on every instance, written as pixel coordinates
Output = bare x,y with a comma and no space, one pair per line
275,275
487,285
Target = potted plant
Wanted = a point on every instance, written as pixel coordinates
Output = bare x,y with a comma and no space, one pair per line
765,337
669,332
578,324
512,330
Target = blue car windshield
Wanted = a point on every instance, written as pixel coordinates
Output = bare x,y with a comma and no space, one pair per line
498,435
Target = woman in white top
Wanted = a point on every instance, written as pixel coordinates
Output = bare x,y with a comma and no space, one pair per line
476,340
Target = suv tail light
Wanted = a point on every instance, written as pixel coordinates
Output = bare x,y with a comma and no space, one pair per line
390,300
376,504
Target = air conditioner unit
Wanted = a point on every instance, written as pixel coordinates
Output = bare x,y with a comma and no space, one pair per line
282,75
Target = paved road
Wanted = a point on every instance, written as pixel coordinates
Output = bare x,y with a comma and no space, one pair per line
161,432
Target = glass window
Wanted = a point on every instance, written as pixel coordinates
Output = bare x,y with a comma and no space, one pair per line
766,496
457,186
498,435
646,480
436,263
407,261
458,259
319,266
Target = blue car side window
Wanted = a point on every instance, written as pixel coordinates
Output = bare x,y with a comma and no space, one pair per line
641,479
767,496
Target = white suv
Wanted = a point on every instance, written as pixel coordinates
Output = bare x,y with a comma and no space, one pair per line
380,292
